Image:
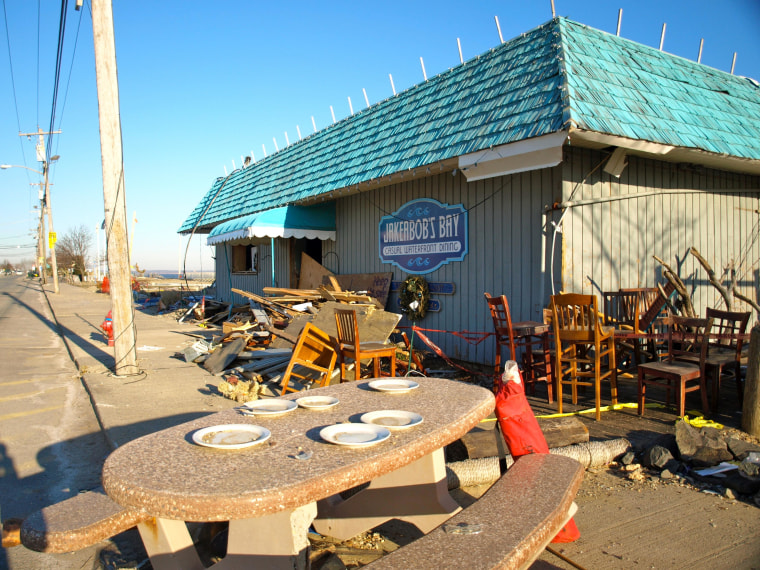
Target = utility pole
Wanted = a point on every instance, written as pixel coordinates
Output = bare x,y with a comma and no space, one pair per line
41,237
42,157
125,342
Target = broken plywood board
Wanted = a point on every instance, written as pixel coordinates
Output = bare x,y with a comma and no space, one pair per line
376,284
312,273
375,325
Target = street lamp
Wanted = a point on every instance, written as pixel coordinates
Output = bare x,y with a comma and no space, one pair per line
46,205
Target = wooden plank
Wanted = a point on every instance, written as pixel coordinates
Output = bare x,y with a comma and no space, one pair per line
222,357
558,432
264,301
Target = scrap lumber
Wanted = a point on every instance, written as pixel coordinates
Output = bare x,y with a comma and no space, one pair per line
558,432
282,309
223,356
284,292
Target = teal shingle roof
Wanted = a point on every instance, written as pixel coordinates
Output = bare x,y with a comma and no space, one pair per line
557,75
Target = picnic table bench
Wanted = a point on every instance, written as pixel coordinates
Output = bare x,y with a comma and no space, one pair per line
508,527
78,522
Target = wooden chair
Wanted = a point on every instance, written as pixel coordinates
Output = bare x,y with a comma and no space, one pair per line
679,372
622,310
315,352
529,337
726,350
581,344
351,347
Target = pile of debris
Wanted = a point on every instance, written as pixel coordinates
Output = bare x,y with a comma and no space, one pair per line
256,342
721,461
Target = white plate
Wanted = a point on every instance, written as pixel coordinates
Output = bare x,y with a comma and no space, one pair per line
231,436
268,407
392,419
354,435
398,385
317,402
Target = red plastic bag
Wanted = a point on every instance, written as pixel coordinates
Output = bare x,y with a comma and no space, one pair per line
521,431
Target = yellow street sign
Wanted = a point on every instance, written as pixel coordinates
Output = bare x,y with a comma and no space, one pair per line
52,238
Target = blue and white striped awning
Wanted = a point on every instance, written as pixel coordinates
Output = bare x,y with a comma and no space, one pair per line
311,222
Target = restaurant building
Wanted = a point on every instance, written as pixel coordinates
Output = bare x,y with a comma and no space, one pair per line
561,160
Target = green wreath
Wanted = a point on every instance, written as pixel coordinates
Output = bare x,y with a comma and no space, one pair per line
414,288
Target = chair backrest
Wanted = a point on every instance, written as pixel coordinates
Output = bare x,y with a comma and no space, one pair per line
502,321
688,338
575,317
347,326
654,304
728,325
622,309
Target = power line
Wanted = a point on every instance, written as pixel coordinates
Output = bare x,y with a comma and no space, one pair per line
71,68
13,81
56,82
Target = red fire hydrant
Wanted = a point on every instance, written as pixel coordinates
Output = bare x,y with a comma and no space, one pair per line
107,326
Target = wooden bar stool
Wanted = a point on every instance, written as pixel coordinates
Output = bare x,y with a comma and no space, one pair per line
531,337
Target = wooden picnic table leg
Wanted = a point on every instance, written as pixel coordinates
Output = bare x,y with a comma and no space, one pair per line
169,545
417,493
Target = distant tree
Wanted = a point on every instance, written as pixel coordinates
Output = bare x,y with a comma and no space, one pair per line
6,266
73,249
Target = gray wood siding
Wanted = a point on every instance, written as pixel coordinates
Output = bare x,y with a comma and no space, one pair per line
662,209
504,256
610,244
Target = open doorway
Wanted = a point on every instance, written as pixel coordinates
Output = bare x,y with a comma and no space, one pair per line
311,247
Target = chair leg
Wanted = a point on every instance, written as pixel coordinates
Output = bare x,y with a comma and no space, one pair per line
613,373
715,387
739,385
558,374
598,386
497,367
642,392
703,394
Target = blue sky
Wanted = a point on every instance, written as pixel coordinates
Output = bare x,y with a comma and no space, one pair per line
204,83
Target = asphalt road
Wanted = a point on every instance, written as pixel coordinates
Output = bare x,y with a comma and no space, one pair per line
51,446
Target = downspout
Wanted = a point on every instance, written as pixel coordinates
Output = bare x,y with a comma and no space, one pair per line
271,241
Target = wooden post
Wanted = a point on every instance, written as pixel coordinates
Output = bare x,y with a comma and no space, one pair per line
125,347
751,408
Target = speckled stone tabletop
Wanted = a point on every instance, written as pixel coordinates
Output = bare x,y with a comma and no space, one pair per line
166,474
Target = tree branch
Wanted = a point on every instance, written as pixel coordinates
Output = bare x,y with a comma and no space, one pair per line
713,278
683,292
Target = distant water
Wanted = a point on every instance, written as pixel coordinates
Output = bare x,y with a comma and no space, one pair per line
206,275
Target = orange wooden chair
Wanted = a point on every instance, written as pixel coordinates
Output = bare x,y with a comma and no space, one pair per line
314,351
351,347
581,345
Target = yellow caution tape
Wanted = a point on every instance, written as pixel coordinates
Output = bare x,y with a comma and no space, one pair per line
700,422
